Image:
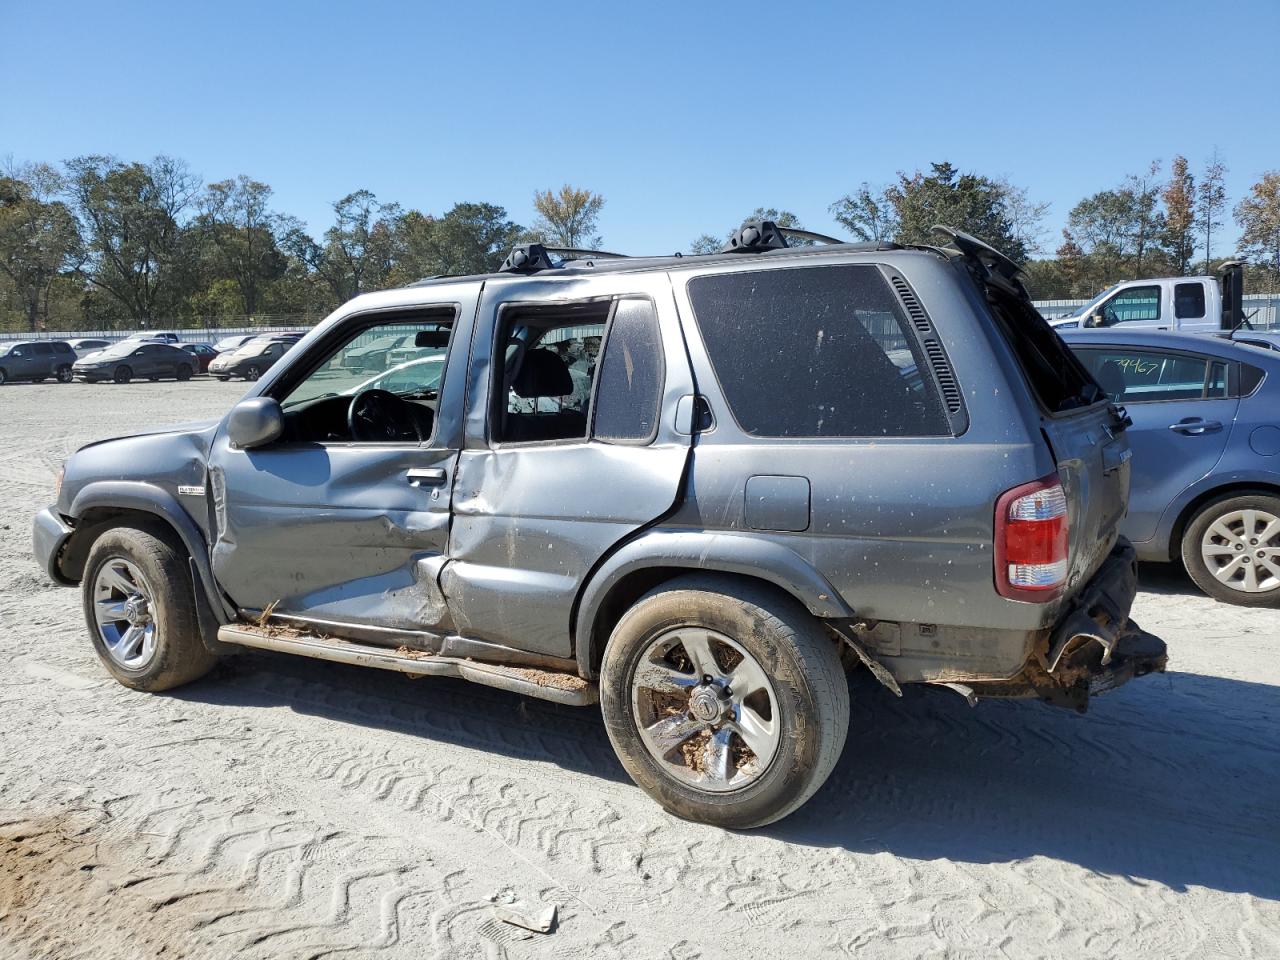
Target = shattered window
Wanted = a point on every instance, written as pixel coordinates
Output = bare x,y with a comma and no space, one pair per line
816,352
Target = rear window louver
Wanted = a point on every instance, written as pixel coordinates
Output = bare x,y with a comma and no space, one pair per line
947,385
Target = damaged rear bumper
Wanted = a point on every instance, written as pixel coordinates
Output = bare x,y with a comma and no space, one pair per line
1095,646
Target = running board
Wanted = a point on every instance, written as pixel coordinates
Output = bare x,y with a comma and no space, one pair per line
551,685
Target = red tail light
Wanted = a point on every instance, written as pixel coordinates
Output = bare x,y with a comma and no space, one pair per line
1032,541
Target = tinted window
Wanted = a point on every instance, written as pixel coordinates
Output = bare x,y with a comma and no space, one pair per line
1250,377
1127,306
42,349
1188,301
816,352
631,370
1136,376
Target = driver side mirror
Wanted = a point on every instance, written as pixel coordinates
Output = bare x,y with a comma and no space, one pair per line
255,423
1093,320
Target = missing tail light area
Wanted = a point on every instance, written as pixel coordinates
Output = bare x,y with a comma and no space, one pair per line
1032,541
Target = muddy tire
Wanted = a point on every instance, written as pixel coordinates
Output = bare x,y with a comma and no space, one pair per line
64,374
1231,549
123,374
140,611
705,751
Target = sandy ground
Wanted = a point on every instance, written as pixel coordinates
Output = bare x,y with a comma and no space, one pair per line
289,808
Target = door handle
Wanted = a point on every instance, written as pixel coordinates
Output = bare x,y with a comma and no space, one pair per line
1195,426
426,477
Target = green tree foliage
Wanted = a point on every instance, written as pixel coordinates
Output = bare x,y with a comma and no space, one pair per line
568,217
470,238
868,213
966,201
1258,216
356,254
131,215
235,219
39,238
1116,234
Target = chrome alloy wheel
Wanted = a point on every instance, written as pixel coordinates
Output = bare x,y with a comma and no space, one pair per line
705,709
1242,550
122,605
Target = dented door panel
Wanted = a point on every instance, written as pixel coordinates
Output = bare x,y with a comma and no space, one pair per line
532,520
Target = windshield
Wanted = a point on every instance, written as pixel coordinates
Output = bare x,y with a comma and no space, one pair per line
119,349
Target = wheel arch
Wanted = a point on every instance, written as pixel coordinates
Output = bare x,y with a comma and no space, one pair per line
659,556
1231,488
103,505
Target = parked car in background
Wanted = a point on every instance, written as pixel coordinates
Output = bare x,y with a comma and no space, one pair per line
84,346
254,358
1206,454
132,359
36,360
227,344
374,354
703,540
203,354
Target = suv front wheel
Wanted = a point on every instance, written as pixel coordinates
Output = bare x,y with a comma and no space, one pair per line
726,701
1231,549
139,606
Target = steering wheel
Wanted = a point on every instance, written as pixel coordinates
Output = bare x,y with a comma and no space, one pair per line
379,416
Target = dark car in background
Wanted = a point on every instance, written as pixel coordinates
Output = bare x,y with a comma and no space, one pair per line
36,360
1206,454
202,353
133,359
254,358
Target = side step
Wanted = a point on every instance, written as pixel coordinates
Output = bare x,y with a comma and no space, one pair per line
544,684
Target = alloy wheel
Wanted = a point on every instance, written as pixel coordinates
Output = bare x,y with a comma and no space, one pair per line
1242,550
705,709
123,605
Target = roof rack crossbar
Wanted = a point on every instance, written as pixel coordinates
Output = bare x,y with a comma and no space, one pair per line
756,235
531,257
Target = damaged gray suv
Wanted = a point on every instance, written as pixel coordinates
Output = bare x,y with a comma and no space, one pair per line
694,489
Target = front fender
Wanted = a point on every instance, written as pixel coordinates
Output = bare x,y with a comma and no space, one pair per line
702,550
148,498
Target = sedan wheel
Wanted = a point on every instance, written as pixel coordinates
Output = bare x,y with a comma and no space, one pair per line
1232,550
252,372
123,374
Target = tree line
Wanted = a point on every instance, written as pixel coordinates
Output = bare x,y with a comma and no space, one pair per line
99,243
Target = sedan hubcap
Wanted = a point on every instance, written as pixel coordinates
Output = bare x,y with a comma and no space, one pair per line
1242,550
122,605
705,709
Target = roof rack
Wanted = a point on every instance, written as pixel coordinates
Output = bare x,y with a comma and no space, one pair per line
531,257
756,235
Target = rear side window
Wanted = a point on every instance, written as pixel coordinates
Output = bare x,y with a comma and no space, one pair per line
816,352
1188,301
629,382
1138,376
42,349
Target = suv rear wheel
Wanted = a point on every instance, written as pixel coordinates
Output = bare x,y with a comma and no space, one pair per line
726,702
64,374
1232,550
140,610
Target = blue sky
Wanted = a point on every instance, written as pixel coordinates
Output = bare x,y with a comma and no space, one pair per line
685,116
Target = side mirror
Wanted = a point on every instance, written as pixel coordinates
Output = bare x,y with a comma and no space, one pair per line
255,423
1093,320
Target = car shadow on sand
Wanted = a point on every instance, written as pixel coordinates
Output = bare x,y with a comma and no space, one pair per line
1171,779
1168,579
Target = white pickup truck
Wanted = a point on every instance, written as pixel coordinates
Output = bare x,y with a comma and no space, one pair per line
1187,304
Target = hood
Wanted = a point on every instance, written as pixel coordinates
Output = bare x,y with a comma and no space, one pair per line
191,427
